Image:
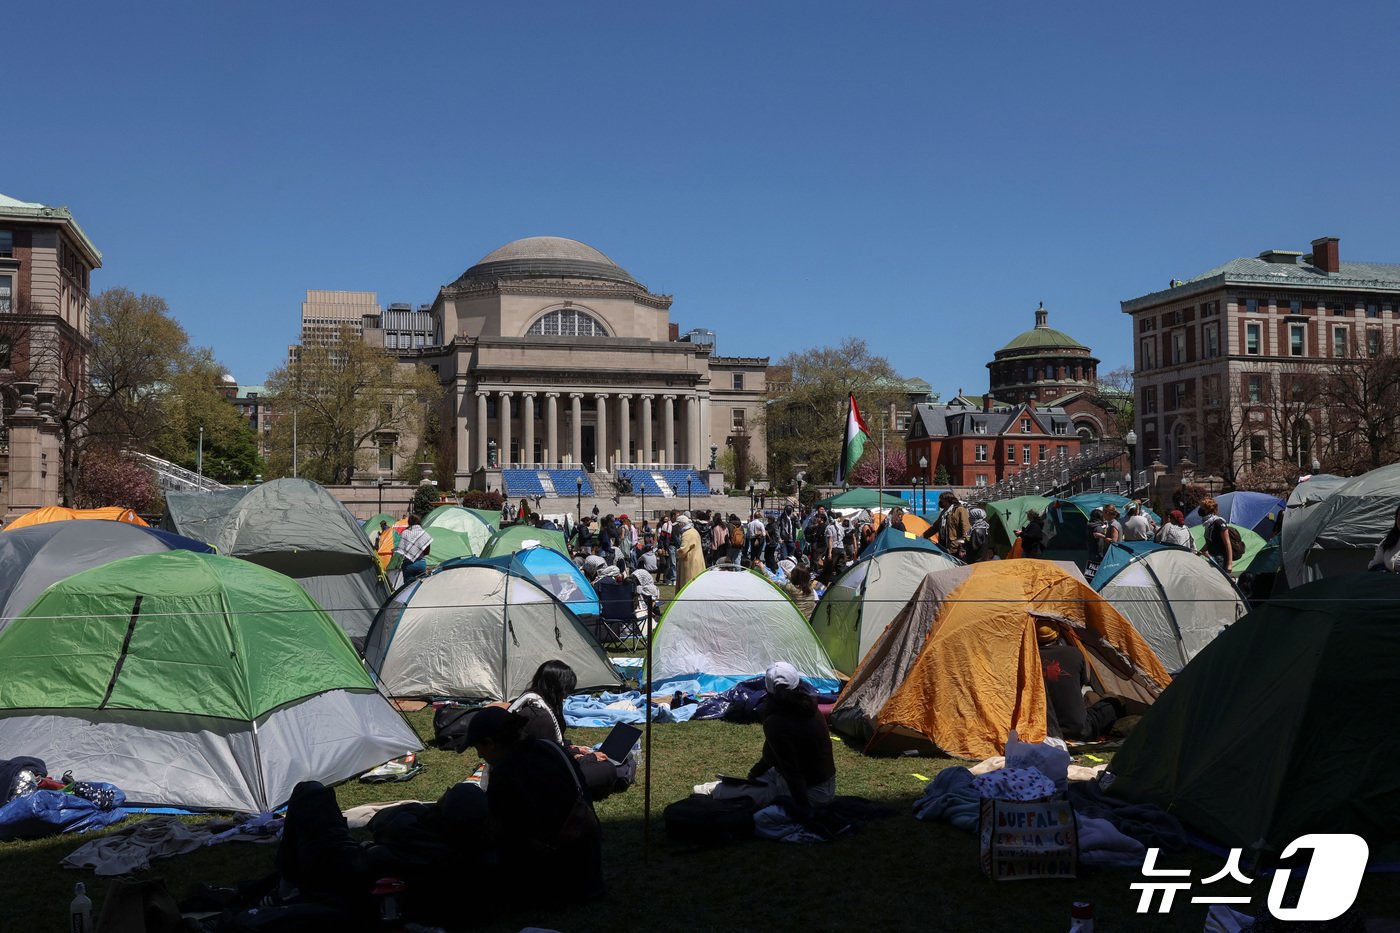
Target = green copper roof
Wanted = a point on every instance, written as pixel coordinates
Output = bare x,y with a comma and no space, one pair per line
12,207
1043,337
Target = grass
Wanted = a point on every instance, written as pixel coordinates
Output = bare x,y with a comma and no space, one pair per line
895,874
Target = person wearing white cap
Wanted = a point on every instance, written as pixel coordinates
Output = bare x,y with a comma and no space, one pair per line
690,553
796,762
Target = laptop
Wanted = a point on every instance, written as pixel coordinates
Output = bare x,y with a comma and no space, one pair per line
620,742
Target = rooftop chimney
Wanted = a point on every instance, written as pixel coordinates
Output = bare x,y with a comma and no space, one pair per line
1325,254
986,403
1042,317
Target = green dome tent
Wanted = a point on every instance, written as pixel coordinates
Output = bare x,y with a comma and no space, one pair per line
512,538
297,528
447,545
1007,516
1282,725
192,680
477,524
862,498
1253,546
865,598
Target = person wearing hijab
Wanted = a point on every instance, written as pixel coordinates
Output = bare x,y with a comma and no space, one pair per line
1174,530
690,553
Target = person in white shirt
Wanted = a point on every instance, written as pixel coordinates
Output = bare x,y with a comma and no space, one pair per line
413,547
1138,527
756,537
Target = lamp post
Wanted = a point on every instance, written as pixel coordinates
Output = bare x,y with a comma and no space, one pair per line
1131,440
923,481
578,487
199,457
688,483
380,484
799,477
751,499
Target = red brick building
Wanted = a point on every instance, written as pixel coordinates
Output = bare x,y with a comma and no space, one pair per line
980,442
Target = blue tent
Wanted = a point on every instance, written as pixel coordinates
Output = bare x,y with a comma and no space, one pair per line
1258,511
551,570
1067,524
891,539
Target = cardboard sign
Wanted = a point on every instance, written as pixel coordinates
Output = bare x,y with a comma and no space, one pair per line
1021,841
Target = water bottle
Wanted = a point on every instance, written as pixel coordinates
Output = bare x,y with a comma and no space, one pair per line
1081,917
80,911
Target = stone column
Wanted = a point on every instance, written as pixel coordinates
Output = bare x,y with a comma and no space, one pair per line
481,431
600,434
692,430
50,448
503,429
624,429
668,429
464,434
704,444
646,455
576,427
25,484
551,428
527,429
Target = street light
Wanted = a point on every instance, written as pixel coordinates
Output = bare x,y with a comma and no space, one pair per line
688,483
751,498
380,484
578,484
1131,440
923,481
199,458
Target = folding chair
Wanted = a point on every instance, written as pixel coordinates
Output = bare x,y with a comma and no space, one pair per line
618,624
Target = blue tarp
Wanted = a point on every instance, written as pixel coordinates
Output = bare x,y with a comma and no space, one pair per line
49,812
608,709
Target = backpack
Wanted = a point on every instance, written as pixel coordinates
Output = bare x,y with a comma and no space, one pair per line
703,820
1236,542
450,727
736,536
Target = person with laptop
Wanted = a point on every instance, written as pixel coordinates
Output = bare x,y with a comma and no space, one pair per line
796,762
542,708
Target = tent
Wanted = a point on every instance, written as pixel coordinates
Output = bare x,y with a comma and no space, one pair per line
513,537
1176,599
959,667
447,545
913,523
1008,516
726,626
1258,511
1314,489
297,528
862,498
477,524
33,558
1067,523
865,598
384,547
562,577
1339,534
1253,547
192,680
477,629
1303,744
56,513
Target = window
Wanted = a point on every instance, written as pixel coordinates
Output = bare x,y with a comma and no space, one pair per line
1256,448
1178,395
979,427
1210,309
1373,341
981,451
1297,390
567,322
1212,341
1251,305
4,354
1042,452
1211,385
386,454
1147,353
1296,343
738,382
1295,307
1062,451
7,243
736,416
1336,310
1149,400
1252,333
1339,341
1147,324
1026,454
6,286
1025,425
981,479
1061,427
1373,310
1179,346
1010,453
1254,388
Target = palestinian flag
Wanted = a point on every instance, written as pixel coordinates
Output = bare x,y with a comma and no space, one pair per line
853,444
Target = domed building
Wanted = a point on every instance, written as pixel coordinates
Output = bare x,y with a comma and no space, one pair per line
554,357
1042,364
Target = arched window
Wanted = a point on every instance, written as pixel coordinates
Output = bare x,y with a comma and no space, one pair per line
567,322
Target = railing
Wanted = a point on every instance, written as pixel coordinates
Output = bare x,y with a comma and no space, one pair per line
1053,476
171,476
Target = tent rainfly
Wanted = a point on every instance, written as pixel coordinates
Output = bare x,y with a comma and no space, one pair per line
57,513
477,524
1338,535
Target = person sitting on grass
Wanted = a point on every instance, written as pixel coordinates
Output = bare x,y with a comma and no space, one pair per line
542,708
1081,716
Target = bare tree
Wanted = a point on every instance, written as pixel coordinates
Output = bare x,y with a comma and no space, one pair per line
1363,397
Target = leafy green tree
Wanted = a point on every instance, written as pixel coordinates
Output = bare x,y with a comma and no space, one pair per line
424,499
806,415
342,399
194,400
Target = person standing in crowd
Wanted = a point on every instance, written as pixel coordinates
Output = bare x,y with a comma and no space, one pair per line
799,589
1138,527
1112,531
1387,556
413,547
666,544
954,525
757,537
1218,545
690,556
786,532
1032,535
979,533
1174,530
835,547
719,540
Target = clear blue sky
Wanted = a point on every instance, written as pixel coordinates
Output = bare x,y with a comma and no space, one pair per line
917,174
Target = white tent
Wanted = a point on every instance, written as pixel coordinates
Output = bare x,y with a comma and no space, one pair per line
726,626
478,630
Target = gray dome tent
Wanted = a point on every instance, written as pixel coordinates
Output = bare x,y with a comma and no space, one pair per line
297,528
1338,534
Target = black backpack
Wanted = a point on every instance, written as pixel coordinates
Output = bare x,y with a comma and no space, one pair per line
450,727
1236,542
703,820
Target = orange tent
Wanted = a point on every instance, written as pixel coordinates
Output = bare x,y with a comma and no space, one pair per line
384,551
56,513
959,667
912,523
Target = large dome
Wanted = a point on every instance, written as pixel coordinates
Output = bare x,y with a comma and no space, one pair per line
547,257
1042,337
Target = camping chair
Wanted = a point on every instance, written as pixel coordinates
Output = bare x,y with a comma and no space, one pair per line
617,622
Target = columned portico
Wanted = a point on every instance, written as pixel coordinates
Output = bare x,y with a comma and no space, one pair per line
600,443
551,428
481,430
646,455
624,427
668,428
576,426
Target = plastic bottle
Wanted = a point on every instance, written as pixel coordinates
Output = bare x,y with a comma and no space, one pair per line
1081,917
80,911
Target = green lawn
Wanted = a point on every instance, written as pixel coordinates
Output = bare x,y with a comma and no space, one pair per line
897,874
